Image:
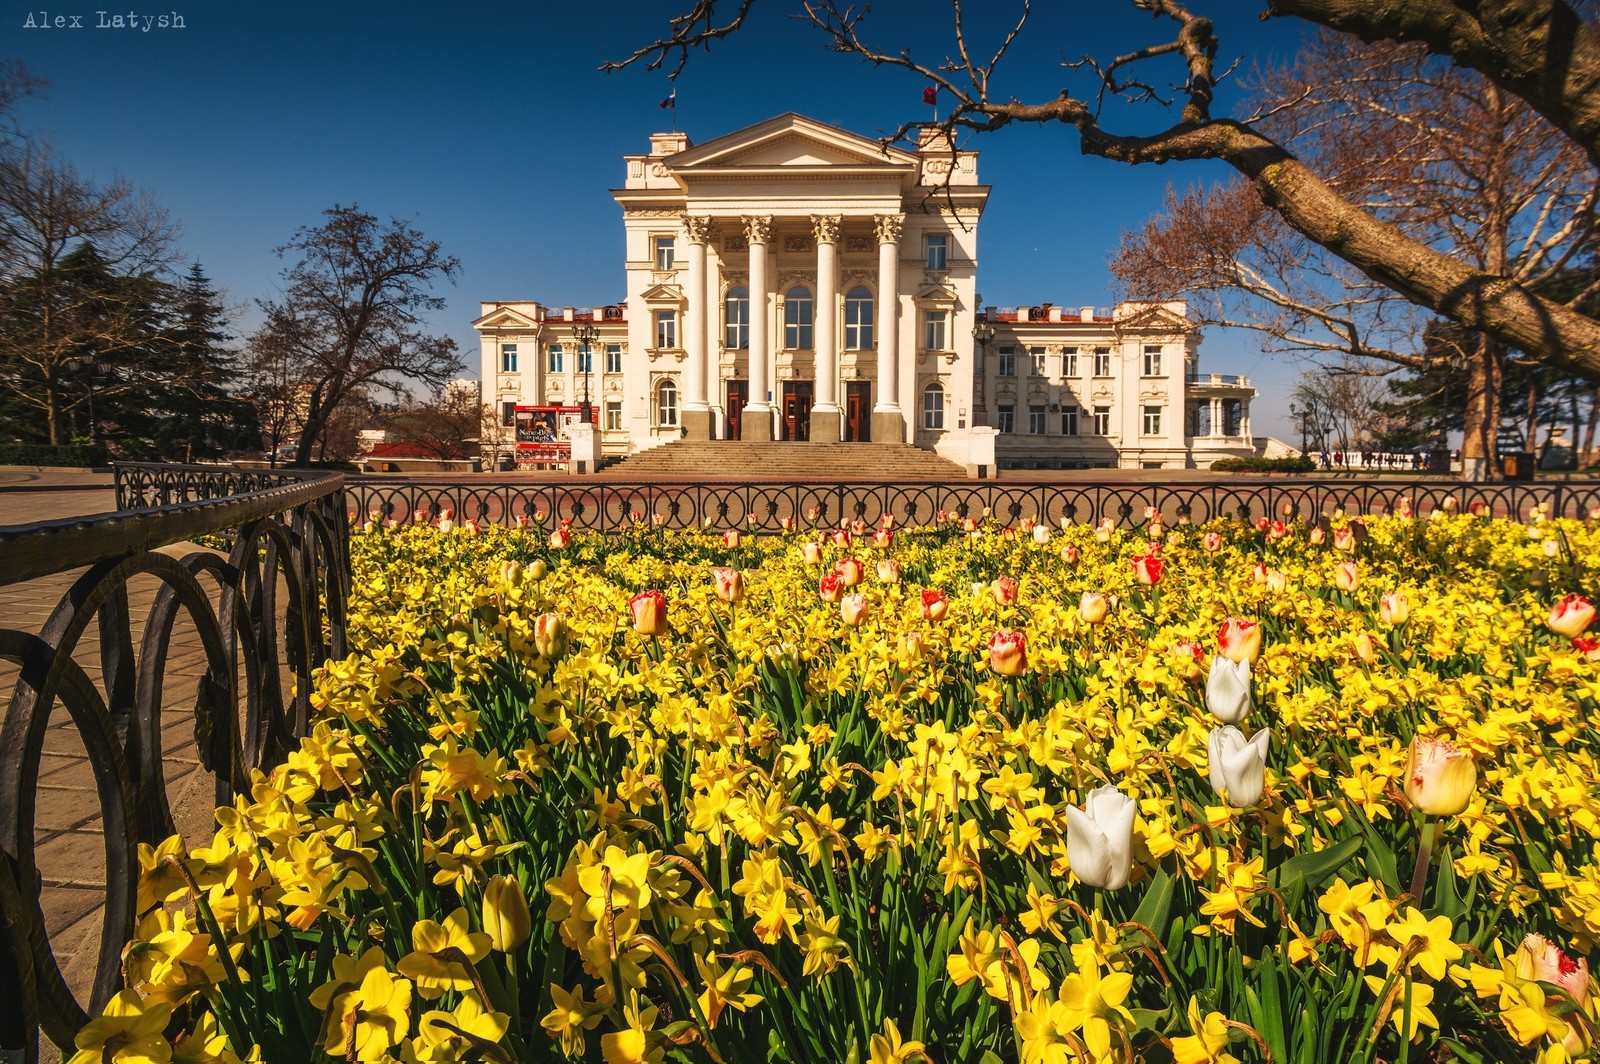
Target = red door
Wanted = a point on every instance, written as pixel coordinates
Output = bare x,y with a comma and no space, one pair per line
858,411
797,399
738,396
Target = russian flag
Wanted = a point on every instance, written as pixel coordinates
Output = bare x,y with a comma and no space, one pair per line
671,100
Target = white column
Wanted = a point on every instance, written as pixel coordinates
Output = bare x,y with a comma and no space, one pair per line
1216,418
825,345
712,318
693,329
888,324
758,231
1244,418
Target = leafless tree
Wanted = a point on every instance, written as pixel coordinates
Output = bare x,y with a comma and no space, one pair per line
443,423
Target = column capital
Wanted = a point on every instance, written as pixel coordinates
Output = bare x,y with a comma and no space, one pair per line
698,227
887,227
758,228
825,228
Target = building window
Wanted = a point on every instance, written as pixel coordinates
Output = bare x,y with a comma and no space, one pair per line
1102,421
1152,421
933,407
736,313
1007,421
1152,360
1036,420
508,358
1102,362
858,311
666,253
613,417
1008,362
1069,421
797,309
666,328
1069,362
1037,355
508,412
667,404
937,246
933,330
554,363
613,358
585,359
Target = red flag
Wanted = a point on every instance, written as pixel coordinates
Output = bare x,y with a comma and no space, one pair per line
671,100
930,95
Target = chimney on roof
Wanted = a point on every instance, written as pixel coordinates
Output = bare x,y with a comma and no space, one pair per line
1055,312
569,313
1086,314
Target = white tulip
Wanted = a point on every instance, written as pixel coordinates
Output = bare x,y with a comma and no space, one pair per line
1228,690
1238,765
1041,533
1100,838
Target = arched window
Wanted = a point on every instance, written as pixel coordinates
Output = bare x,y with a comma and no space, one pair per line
797,308
667,404
858,310
736,311
933,406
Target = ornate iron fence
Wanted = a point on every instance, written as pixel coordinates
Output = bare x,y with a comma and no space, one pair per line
609,506
283,526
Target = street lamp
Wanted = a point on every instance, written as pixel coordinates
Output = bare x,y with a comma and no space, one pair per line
1308,417
583,337
95,372
982,333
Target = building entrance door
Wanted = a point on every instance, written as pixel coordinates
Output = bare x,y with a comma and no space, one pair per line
797,400
738,396
858,411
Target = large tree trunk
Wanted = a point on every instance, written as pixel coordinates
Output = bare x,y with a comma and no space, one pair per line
1586,456
1479,461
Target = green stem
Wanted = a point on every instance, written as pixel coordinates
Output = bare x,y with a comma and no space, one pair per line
1419,877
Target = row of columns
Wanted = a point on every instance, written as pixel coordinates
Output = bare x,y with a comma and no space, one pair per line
1217,425
702,314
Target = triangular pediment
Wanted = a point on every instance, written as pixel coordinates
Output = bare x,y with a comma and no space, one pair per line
1155,318
662,293
937,293
505,318
789,140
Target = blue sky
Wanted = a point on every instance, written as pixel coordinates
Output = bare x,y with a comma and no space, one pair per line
491,127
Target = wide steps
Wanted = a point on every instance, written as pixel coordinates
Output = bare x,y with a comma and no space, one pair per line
696,460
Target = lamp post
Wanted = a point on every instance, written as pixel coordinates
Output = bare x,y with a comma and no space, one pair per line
1308,417
95,371
982,333
583,337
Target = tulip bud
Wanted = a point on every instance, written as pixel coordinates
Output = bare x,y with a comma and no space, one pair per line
1228,690
1344,539
369,526
1364,648
1185,657
446,524
1239,639
537,570
730,584
854,609
882,538
886,521
649,613
1212,541
1041,534
560,538
858,527
506,919
1093,607
811,551
1238,765
1345,576
1440,777
1550,547
841,538
549,634
831,587
1540,959
935,604
1571,616
1008,653
812,513
912,649
1027,525
1100,838
1147,569
1449,504
522,520
1317,536
1069,554
1004,589
1258,573
1393,608
1588,646
888,571
510,572
786,523
731,538
1277,581
970,526
1104,532
850,571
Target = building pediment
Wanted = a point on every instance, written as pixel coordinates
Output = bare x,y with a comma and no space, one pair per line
505,318
662,295
937,293
789,140
1155,318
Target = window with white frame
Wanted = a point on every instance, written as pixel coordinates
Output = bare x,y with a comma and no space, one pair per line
1102,421
1069,421
858,313
1007,420
553,361
935,335
1069,362
1036,419
1008,362
933,407
666,328
1152,421
666,252
1036,355
613,358
508,358
736,319
1102,362
1152,360
613,416
936,247
797,320
508,412
667,404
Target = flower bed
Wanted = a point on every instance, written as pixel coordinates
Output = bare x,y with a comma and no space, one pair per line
956,793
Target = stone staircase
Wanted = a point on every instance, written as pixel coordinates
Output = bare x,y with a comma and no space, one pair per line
697,460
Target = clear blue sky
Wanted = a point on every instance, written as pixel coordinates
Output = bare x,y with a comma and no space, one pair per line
490,126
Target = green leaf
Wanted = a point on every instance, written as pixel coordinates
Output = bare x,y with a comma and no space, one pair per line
1270,1024
1308,871
1157,903
1446,897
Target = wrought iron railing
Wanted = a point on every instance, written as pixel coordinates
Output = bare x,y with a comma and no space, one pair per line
609,506
284,526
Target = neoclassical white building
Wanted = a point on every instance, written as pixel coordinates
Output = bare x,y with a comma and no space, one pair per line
793,281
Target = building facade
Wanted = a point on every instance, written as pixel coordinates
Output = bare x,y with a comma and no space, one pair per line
793,281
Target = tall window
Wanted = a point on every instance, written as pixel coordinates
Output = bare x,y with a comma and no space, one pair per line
508,358
1102,362
1036,420
1007,421
508,412
1037,355
666,252
1152,360
613,416
858,312
554,364
1008,362
613,358
1069,421
937,246
934,335
933,406
1069,362
1152,421
736,312
1102,421
667,404
797,308
666,328
585,359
